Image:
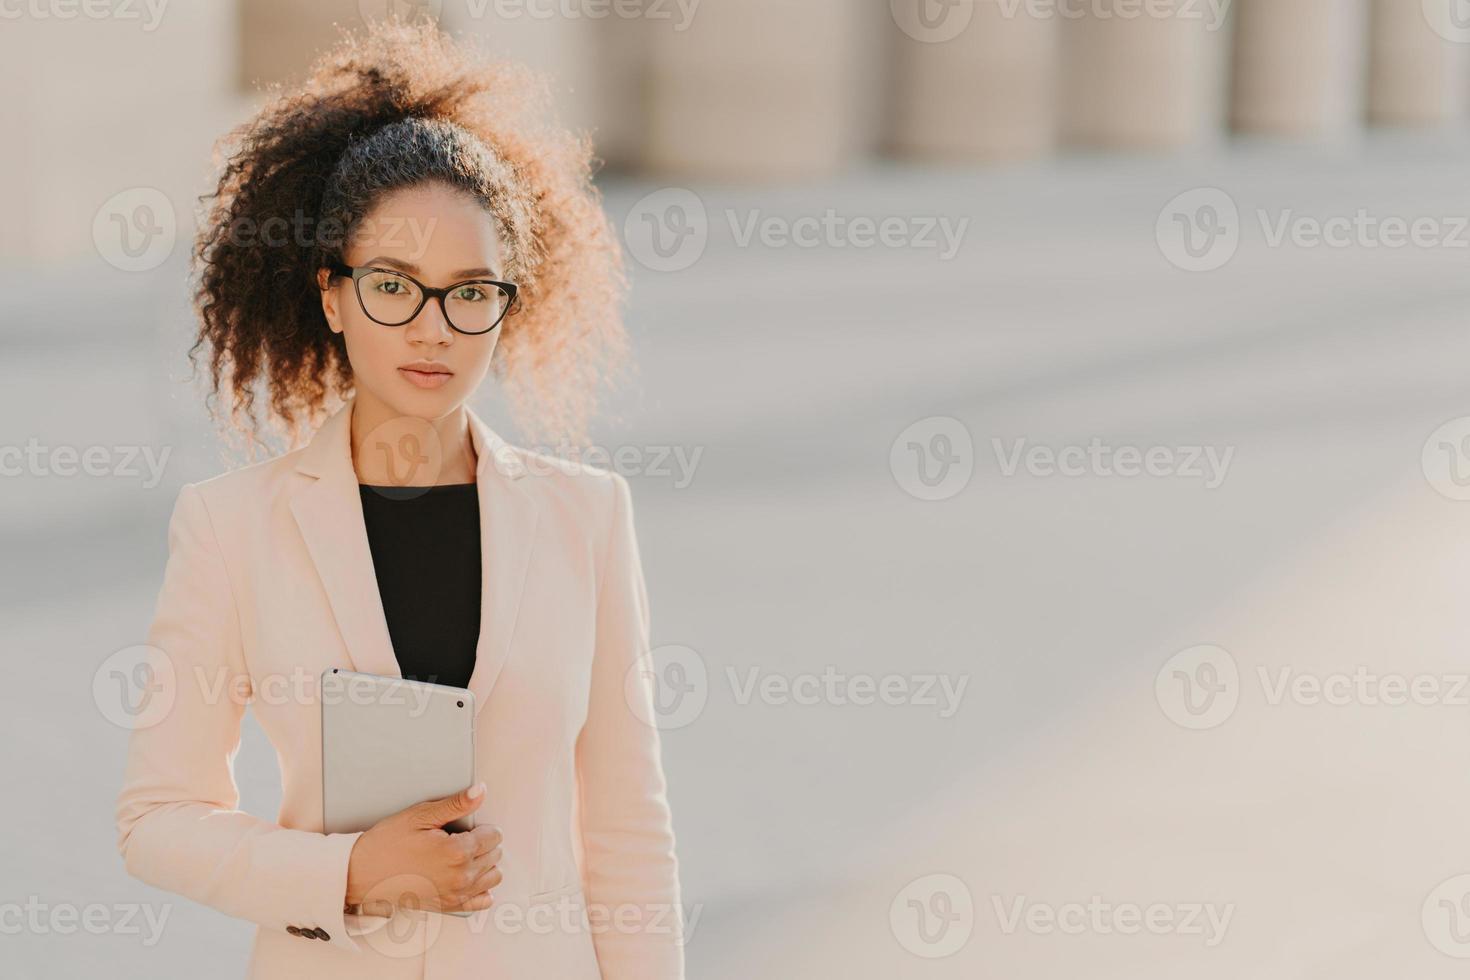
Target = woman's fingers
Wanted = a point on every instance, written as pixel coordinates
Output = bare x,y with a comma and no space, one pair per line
487,880
477,903
484,839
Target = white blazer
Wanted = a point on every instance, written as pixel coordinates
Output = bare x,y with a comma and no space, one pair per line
269,582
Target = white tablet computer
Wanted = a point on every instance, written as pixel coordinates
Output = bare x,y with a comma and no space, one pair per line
388,743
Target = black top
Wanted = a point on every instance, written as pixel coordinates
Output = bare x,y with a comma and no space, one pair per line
426,555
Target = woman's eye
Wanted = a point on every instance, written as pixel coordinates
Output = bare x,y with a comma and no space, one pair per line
473,294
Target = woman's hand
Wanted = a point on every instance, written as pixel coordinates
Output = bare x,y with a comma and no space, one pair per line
409,859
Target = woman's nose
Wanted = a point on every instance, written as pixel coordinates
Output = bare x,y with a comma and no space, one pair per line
430,326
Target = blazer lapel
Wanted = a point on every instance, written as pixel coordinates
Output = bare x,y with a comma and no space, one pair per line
329,513
508,517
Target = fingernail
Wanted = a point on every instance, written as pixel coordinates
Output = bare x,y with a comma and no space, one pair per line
478,791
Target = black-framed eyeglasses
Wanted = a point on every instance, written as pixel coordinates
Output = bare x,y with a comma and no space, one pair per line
392,298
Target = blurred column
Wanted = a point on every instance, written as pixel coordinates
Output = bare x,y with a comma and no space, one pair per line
1417,76
982,87
1143,75
279,39
1299,66
108,103
555,39
283,37
758,88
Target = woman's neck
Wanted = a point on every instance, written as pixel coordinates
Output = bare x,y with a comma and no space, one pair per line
395,450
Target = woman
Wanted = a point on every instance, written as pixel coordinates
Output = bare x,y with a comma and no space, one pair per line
373,236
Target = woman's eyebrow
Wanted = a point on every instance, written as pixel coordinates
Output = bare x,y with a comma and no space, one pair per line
414,270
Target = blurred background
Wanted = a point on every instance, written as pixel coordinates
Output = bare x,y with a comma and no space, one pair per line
1050,446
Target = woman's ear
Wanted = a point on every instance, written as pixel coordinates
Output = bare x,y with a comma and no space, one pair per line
329,299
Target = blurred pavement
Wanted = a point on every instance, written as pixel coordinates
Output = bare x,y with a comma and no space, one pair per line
1057,600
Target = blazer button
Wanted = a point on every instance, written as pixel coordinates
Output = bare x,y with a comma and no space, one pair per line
293,930
321,933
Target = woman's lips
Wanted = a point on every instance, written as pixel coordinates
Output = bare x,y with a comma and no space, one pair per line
425,379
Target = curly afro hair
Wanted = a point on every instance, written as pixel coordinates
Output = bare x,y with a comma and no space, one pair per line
397,106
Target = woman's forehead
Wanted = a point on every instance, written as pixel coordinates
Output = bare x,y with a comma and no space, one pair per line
430,228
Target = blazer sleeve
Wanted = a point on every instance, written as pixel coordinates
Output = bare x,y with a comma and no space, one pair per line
177,823
630,870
